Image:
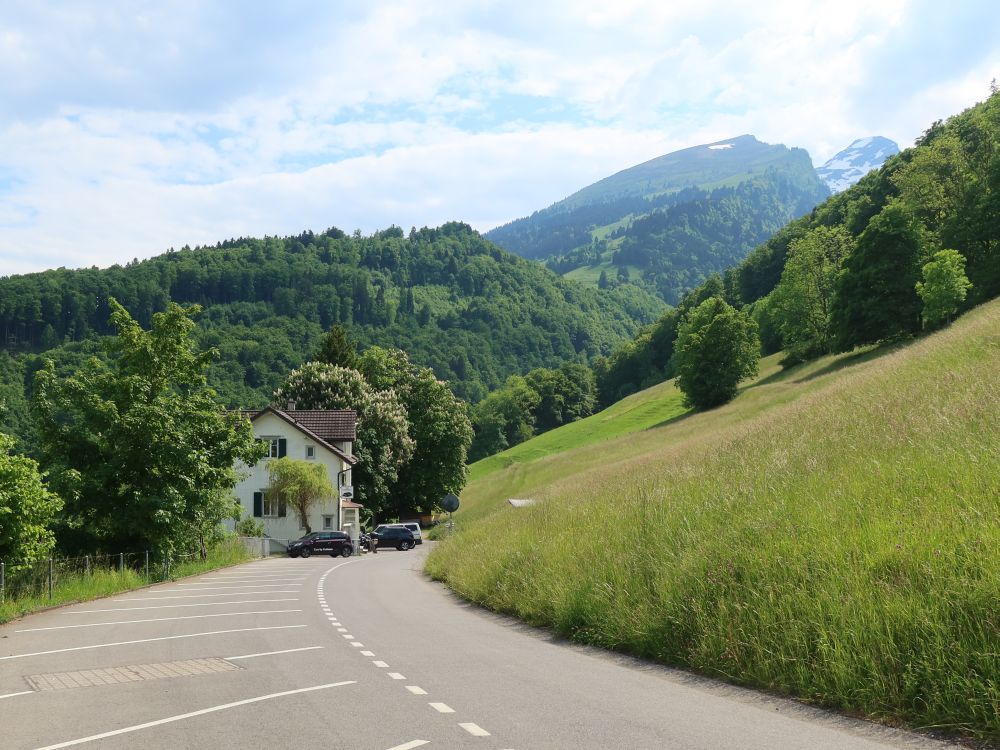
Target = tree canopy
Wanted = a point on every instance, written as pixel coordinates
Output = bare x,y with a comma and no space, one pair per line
300,484
137,445
27,509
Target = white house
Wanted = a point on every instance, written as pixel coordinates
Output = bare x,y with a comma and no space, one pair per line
325,437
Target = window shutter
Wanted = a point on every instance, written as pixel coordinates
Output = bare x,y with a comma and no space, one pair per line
282,507
282,447
258,505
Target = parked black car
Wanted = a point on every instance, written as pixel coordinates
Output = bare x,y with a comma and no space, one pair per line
399,537
331,543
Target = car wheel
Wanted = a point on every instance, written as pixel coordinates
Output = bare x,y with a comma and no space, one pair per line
404,546
305,552
346,551
293,554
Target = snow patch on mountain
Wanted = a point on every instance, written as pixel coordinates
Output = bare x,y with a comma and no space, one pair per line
855,161
719,146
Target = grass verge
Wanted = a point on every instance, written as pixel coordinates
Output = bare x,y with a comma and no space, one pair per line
80,587
830,535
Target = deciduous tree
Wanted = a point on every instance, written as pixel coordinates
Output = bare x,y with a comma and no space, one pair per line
27,509
139,449
717,347
300,484
944,287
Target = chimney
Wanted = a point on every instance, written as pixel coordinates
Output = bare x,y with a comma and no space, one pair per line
291,406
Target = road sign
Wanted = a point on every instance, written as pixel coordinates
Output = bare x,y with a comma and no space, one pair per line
347,492
450,503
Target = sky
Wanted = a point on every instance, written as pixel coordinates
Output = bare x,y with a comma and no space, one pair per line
130,127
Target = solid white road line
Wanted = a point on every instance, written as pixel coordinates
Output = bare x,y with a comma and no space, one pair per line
416,690
272,653
199,596
474,729
148,640
410,745
160,619
442,707
205,587
175,606
11,695
192,714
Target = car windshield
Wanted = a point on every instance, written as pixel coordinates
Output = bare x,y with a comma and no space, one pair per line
314,535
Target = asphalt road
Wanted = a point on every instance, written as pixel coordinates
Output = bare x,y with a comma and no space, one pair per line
362,653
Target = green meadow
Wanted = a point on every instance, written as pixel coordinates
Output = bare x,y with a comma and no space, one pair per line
831,534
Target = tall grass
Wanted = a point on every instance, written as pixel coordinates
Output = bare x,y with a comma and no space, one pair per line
80,587
832,535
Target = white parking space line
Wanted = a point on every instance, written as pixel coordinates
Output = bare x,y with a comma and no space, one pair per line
442,708
160,619
205,587
217,581
192,714
380,664
410,745
175,606
11,695
474,729
147,640
416,690
272,653
199,596
396,676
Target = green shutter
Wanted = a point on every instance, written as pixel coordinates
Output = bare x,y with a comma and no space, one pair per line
258,505
282,447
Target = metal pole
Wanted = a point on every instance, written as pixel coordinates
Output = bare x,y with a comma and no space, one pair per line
147,565
86,565
168,566
50,578
121,562
3,580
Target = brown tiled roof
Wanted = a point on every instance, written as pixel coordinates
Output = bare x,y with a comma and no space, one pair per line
326,427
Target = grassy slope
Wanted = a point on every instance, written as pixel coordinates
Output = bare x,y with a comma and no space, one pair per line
831,534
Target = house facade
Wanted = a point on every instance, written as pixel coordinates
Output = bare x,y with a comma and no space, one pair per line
325,437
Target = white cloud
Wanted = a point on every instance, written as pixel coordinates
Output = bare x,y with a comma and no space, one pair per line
128,132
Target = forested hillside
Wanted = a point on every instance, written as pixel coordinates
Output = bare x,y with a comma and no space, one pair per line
452,300
671,222
906,250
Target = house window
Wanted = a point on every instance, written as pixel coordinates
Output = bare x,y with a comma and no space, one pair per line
327,523
276,446
266,505
310,451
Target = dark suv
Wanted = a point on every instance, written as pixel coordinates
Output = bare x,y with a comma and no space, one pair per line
331,543
399,537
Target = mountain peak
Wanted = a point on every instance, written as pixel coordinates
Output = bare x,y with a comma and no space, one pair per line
855,161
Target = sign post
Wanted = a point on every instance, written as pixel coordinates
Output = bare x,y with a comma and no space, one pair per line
450,503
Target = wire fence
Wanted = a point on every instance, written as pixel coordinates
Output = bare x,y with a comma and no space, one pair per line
39,578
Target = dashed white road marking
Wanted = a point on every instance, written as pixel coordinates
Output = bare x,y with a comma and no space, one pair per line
416,690
357,644
348,636
368,653
341,630
442,708
396,676
474,729
147,640
11,695
173,606
191,714
410,745
159,619
380,664
272,653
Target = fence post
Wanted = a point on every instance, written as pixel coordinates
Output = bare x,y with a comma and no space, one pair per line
3,580
168,567
86,565
147,566
121,563
50,578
